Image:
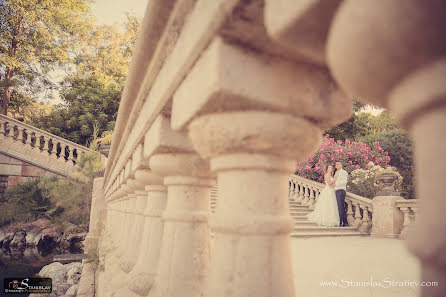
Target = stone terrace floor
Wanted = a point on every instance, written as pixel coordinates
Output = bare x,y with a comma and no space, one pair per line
356,259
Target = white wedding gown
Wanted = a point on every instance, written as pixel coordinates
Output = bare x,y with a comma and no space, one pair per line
325,211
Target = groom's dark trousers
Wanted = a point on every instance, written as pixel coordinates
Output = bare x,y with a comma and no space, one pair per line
340,198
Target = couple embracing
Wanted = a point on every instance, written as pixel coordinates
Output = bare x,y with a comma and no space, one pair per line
329,209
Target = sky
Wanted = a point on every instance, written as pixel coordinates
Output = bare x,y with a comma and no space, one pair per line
109,12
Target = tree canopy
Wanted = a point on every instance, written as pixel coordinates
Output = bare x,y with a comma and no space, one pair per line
91,93
34,38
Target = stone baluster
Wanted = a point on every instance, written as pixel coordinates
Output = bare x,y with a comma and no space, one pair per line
25,137
129,258
296,195
127,225
45,147
301,197
186,236
365,223
37,143
312,200
415,213
144,272
120,230
239,119
140,232
291,186
350,217
252,221
306,195
406,222
406,76
2,129
358,217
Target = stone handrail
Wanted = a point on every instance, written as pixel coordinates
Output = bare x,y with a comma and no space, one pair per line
359,209
239,91
409,208
39,147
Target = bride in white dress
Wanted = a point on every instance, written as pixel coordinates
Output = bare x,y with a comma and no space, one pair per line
325,211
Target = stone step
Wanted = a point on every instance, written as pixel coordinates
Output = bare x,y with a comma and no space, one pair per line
322,228
304,223
299,207
300,211
300,218
327,234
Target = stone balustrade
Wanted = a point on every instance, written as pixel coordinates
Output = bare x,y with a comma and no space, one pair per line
409,208
358,209
39,147
238,91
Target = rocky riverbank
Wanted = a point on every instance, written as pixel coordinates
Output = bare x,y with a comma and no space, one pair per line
65,279
42,234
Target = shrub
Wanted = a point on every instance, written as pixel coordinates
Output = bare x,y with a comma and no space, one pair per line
399,146
29,201
363,181
353,155
57,199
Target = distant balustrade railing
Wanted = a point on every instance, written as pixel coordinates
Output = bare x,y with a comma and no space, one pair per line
409,208
38,143
359,209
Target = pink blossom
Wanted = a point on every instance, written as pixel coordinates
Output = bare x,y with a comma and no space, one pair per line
357,166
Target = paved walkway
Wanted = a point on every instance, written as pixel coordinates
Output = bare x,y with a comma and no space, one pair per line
350,261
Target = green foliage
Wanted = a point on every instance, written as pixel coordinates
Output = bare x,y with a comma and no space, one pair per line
90,165
106,138
362,124
34,38
89,102
92,93
30,201
399,146
363,181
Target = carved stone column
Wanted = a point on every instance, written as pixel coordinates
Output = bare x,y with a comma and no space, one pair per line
406,75
143,178
185,253
252,153
387,218
253,115
144,272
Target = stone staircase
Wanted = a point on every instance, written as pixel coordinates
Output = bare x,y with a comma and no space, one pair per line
305,228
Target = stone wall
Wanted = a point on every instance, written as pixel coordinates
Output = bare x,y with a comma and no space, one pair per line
14,171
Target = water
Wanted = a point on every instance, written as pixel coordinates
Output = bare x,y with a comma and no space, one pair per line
20,263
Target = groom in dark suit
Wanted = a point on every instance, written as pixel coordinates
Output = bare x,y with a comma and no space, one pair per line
340,190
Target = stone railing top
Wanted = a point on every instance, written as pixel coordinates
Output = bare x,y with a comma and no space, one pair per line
62,141
353,197
174,36
406,203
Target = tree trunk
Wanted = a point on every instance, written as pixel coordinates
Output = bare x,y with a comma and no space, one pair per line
7,93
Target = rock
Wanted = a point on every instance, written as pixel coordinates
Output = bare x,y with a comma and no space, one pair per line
72,291
32,239
8,238
18,239
74,274
2,236
58,273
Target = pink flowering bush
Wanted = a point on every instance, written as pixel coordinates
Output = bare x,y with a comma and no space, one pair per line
353,155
